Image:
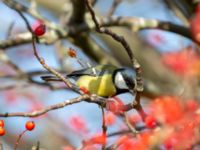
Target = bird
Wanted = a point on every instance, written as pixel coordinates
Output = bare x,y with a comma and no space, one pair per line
102,80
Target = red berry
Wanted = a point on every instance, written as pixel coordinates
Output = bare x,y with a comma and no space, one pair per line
39,29
150,122
170,143
72,53
30,125
2,131
1,123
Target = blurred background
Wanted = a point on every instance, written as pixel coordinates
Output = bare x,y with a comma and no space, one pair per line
163,57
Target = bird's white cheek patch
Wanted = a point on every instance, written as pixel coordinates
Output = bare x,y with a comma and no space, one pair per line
120,82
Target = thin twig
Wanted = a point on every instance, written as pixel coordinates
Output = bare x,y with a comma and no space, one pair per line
104,127
32,12
5,58
38,145
18,139
1,145
10,27
131,128
115,4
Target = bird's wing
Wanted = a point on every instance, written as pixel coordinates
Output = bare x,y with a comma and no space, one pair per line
50,78
77,73
93,71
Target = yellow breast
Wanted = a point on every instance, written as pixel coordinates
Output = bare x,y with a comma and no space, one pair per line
102,86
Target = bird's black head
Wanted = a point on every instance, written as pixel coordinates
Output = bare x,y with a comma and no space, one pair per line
124,79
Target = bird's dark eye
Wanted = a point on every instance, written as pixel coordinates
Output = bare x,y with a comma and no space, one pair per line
129,81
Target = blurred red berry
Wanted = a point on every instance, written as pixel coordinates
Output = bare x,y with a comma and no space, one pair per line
191,105
186,62
195,28
177,61
30,125
96,139
11,96
170,143
1,123
71,52
115,105
197,119
39,28
197,9
156,38
164,107
133,119
190,125
129,144
68,148
2,131
78,124
150,122
122,139
110,118
145,137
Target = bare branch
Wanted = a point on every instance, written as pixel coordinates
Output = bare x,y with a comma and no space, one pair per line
135,24
47,109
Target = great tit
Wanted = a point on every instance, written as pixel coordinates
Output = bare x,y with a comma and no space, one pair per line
102,80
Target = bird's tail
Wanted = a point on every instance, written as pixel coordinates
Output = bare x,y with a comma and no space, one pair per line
50,78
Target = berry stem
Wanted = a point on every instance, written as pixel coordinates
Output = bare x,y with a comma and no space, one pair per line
18,140
1,145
